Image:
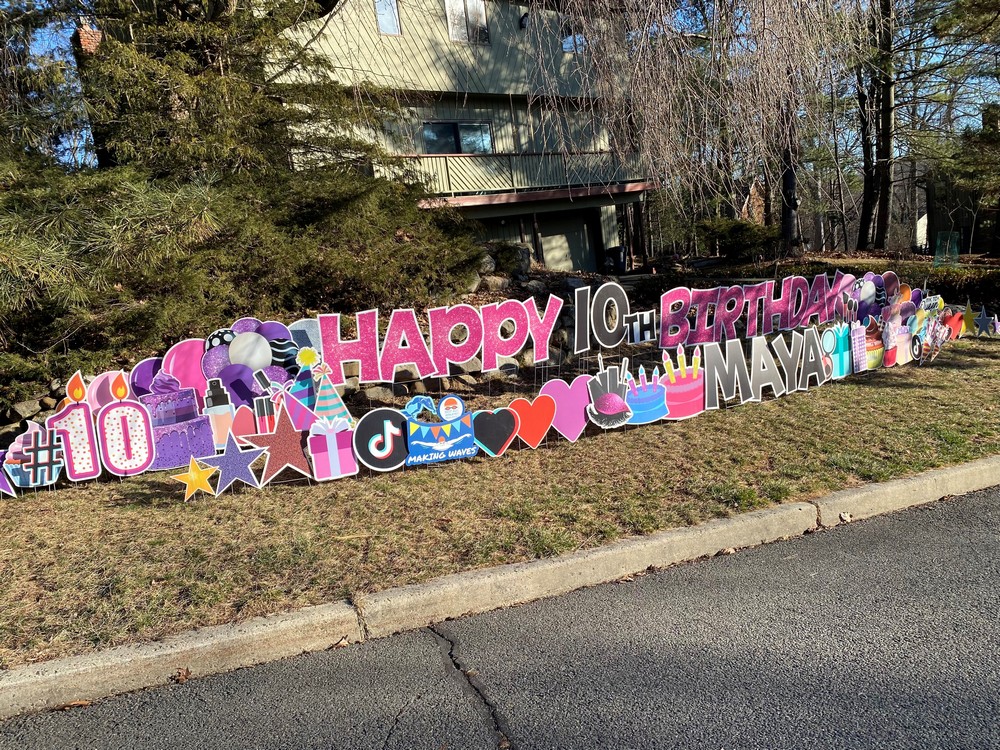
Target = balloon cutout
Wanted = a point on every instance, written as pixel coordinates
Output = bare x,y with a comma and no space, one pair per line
183,361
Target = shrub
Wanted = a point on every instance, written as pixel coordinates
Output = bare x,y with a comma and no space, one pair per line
739,240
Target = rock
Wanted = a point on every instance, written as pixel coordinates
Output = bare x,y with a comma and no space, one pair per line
24,410
561,338
458,383
536,287
556,356
48,403
405,374
351,386
381,392
508,366
57,387
574,282
473,365
488,264
429,385
474,282
507,329
351,369
419,388
526,358
495,283
524,253
8,433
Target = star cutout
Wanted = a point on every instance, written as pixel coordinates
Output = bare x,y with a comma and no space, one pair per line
969,318
6,488
194,479
234,465
284,448
983,323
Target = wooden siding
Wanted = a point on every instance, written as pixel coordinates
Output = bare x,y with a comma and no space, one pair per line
423,58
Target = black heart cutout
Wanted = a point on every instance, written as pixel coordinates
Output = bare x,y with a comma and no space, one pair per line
495,430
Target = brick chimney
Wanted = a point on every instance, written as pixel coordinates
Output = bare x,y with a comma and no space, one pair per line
87,38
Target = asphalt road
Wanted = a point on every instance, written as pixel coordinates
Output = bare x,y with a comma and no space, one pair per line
881,634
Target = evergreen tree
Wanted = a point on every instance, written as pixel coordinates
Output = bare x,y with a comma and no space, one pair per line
229,176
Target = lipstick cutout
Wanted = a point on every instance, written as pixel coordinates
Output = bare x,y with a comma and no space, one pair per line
263,412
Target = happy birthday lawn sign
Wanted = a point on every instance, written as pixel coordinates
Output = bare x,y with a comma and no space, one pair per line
265,394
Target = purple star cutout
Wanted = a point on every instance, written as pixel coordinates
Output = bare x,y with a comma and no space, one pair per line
5,486
234,465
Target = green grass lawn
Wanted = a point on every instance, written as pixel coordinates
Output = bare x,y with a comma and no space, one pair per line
107,563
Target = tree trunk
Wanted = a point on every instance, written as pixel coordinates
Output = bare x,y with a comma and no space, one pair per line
789,201
869,194
887,123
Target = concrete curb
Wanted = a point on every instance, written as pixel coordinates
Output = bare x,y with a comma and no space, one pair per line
203,651
409,607
222,648
876,499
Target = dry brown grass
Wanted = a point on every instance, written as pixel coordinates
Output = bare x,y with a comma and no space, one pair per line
107,563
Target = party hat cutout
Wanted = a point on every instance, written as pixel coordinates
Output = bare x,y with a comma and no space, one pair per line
329,404
301,416
303,388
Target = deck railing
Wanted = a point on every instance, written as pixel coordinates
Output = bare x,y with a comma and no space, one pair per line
466,174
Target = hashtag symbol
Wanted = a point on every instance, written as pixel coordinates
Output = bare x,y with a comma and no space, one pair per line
43,457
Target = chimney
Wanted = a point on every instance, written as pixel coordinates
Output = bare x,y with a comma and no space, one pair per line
87,38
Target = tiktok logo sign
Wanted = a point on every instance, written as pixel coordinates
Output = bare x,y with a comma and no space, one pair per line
380,441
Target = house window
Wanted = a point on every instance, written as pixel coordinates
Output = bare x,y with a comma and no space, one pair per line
574,43
573,38
458,138
467,21
387,13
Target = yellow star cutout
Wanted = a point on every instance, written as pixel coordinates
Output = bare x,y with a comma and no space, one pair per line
195,478
968,320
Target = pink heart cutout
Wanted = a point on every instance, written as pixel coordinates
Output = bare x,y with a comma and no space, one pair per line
572,400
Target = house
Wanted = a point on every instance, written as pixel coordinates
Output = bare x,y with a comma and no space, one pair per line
529,168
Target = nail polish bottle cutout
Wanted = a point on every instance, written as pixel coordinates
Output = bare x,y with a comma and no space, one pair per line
219,410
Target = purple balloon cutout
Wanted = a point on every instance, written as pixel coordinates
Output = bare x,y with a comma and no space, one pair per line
277,374
215,360
891,281
916,295
142,375
238,380
246,325
273,330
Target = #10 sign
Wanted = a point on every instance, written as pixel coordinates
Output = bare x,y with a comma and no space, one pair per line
262,394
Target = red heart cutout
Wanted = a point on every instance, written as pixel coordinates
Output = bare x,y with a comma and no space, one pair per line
536,418
954,323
